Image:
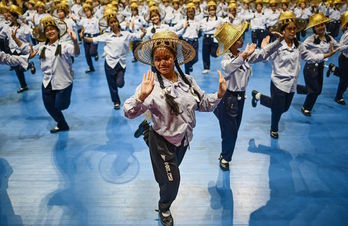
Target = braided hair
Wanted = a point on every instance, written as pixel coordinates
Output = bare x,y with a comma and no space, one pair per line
169,99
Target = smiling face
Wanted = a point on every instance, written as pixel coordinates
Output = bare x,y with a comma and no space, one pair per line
320,29
289,31
163,59
113,24
51,33
191,13
155,18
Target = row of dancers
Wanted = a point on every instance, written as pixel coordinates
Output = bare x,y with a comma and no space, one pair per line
172,96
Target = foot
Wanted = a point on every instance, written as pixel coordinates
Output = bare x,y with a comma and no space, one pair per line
274,134
22,89
224,165
96,58
32,68
166,218
332,68
205,71
117,106
134,60
89,71
306,112
254,99
340,101
57,129
142,128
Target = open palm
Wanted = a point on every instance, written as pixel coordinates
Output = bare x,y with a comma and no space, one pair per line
147,85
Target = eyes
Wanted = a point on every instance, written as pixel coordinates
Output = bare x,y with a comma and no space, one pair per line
165,58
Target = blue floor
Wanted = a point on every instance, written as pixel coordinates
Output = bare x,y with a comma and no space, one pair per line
99,174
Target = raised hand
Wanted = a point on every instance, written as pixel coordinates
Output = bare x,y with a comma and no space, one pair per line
222,85
14,32
32,52
72,35
146,85
265,41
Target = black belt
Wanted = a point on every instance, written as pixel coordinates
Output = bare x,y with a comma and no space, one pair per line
316,64
262,30
209,36
236,93
191,39
90,35
335,21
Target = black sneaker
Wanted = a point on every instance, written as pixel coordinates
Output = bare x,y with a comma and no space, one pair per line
142,128
332,68
134,60
253,99
117,106
224,166
340,101
89,71
306,112
57,129
22,89
32,68
166,221
274,134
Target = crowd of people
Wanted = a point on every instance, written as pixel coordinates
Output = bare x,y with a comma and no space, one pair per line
166,35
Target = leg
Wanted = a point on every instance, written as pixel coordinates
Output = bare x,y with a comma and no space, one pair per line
49,99
111,79
165,166
62,102
343,83
314,82
278,106
20,75
88,56
301,89
206,53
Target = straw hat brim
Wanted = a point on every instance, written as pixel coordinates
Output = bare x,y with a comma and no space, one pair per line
300,25
184,51
220,52
315,24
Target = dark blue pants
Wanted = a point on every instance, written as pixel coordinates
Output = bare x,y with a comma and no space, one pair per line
343,74
313,75
209,48
20,73
165,159
229,112
188,66
257,36
115,78
333,28
91,50
279,103
55,101
135,44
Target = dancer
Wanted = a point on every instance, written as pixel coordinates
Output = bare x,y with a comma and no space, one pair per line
285,69
237,68
172,98
56,65
116,49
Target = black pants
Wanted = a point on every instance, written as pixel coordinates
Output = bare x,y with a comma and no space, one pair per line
313,75
279,103
188,66
257,36
333,28
55,101
229,112
343,74
115,78
20,73
91,50
209,48
165,159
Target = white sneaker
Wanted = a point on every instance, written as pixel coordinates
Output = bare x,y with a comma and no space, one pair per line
205,71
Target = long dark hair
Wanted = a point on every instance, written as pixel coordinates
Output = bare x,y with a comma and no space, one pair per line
317,39
169,99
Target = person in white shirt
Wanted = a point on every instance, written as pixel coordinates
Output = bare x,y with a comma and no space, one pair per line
134,24
116,49
172,98
63,11
232,17
4,22
56,65
37,16
89,28
302,12
209,26
246,14
258,25
273,16
28,15
333,27
156,23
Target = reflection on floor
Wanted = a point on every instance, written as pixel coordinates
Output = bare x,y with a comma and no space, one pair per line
99,174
